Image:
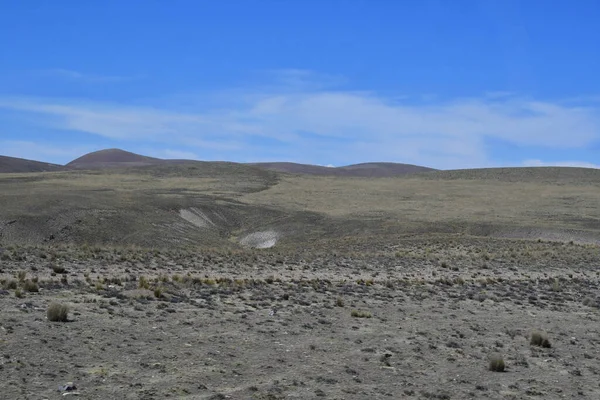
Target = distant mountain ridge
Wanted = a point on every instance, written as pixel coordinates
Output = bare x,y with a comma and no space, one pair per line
117,158
13,164
112,158
373,169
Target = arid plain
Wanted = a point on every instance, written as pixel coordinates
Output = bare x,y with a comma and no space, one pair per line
220,280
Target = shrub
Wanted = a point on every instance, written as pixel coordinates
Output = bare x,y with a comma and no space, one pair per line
58,269
339,302
590,302
158,292
11,284
21,275
540,339
30,286
19,293
360,314
143,283
496,363
57,312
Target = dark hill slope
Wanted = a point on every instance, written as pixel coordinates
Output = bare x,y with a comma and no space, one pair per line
111,158
12,164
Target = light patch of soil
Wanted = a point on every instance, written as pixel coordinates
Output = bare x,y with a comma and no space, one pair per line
196,217
260,240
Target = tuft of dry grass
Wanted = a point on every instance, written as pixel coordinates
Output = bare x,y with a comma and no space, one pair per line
30,286
10,284
540,339
497,363
57,312
58,269
360,314
21,275
143,283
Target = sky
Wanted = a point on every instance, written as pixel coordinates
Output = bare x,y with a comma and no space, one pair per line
444,84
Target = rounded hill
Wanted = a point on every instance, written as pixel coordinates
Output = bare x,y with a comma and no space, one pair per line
111,157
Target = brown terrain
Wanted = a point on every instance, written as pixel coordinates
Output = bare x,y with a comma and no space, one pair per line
111,158
379,170
201,280
12,164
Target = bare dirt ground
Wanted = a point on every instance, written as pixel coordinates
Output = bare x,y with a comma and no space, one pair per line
415,318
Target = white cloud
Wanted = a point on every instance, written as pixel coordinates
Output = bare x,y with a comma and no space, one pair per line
540,163
73,75
310,124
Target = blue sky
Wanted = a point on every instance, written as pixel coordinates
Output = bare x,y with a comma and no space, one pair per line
447,84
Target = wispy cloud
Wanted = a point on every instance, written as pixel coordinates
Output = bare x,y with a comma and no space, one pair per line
305,123
170,154
78,76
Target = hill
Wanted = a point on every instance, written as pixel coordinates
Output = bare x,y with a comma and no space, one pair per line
370,170
112,158
555,175
227,205
12,164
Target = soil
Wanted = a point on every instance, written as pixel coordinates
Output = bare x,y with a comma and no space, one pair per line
415,318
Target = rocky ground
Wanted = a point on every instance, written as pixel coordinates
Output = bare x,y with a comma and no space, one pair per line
414,318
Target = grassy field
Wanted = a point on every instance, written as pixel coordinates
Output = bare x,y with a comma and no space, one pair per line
542,203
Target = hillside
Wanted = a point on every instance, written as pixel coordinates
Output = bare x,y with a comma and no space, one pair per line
372,170
557,175
117,158
230,205
12,164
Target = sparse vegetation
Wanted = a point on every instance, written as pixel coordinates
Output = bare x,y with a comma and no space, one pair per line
405,248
